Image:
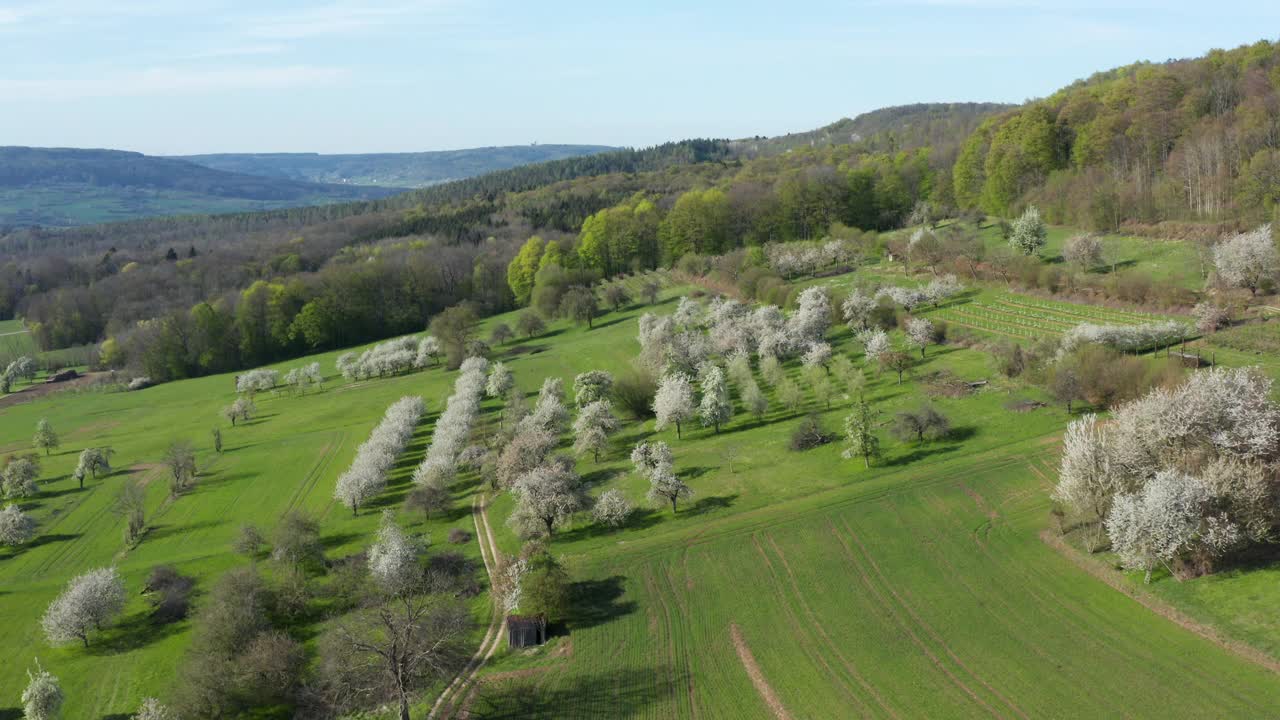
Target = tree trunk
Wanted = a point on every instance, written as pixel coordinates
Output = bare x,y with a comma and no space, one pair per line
550,523
673,506
921,352
866,461
677,429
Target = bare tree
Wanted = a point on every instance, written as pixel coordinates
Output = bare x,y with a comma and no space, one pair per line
180,458
396,648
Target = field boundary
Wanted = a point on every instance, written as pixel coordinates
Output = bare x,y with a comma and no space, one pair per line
1160,607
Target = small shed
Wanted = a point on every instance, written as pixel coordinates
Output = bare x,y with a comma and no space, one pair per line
526,630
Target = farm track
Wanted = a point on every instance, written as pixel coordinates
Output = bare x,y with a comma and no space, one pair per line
758,679
456,696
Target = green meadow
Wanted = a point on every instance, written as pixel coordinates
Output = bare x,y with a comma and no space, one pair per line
793,584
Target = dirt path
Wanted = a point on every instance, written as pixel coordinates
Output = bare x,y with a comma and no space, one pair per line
40,389
1159,607
758,679
454,696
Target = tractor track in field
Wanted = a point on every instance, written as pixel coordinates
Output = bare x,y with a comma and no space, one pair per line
666,625
929,628
1159,607
1066,611
758,679
684,613
458,694
888,606
802,631
327,453
822,631
1071,615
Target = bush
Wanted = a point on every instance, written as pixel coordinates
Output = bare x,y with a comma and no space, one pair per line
634,392
922,424
810,434
458,536
430,500
169,594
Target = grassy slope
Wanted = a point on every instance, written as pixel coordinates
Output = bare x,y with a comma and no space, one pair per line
946,603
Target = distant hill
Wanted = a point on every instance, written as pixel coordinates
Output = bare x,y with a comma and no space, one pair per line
409,170
887,129
62,187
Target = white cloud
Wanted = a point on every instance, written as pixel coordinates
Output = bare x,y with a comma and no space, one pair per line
169,81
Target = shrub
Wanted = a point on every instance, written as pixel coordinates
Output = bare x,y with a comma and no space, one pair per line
634,391
458,536
810,434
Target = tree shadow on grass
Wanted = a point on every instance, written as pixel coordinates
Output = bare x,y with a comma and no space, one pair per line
214,479
11,713
132,633
595,602
257,420
640,519
705,505
612,321
333,540
37,542
51,494
159,532
921,453
627,693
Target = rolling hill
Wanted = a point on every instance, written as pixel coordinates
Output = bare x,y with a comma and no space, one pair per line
64,187
407,170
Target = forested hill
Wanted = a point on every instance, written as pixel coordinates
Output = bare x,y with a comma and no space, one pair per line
406,170
1192,141
70,186
936,125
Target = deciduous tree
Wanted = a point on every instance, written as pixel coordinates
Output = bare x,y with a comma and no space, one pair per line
89,602
673,403
45,439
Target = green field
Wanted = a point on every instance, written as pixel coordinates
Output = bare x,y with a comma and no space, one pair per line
918,588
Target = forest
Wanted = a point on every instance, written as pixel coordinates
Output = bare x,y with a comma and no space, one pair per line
1180,148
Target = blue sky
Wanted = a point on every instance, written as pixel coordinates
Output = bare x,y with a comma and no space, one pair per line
188,76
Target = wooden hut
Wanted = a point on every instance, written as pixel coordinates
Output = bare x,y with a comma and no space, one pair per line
526,630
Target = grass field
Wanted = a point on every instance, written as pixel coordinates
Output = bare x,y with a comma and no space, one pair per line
1176,261
791,585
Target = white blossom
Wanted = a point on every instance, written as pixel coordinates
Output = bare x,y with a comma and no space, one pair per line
673,402
612,508
375,457
500,381
16,527
89,602
259,380
393,559
1248,259
858,309
715,408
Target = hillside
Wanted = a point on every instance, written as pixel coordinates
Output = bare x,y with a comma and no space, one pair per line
1195,140
893,128
401,170
68,186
